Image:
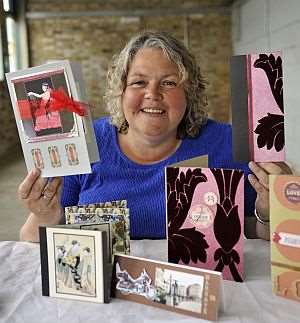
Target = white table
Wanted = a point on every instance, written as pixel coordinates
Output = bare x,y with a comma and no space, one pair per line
21,300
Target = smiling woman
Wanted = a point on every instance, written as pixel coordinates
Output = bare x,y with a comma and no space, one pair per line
155,96
153,104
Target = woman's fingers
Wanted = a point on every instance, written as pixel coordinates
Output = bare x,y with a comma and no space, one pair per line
261,174
40,195
276,168
38,188
25,187
263,170
51,190
262,200
259,188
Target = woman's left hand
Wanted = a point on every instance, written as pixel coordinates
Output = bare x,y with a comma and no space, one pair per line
260,182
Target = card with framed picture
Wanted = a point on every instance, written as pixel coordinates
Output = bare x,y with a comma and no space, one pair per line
190,291
53,118
74,263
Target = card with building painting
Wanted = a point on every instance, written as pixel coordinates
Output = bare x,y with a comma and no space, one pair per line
182,289
53,118
205,219
74,264
118,217
257,107
285,235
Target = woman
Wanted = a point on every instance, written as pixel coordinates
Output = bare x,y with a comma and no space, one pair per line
156,99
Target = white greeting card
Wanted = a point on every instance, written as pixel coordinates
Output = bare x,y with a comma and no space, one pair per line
53,118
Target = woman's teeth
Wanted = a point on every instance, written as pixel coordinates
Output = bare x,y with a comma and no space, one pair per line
150,110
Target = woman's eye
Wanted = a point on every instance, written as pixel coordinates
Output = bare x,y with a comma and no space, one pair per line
169,83
138,83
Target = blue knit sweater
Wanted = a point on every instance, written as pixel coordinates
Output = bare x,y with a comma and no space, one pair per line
116,177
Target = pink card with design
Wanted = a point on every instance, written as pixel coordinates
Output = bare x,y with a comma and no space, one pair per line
205,219
257,107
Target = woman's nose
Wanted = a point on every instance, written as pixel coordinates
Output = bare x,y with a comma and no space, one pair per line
153,92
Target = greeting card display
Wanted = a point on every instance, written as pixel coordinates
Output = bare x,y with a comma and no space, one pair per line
257,107
53,118
205,219
285,235
74,263
177,288
118,217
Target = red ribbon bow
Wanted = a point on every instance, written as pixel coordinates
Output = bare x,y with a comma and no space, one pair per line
61,101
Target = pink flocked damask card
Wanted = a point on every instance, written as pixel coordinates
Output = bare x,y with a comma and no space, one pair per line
205,219
257,107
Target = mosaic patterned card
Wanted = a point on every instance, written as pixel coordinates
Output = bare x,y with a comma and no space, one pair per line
257,107
205,219
94,214
285,235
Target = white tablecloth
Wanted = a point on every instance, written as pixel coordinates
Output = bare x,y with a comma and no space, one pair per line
21,300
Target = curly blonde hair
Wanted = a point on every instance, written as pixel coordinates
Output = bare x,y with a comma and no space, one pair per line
189,72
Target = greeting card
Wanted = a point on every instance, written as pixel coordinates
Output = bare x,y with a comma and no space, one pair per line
257,107
74,263
285,235
53,118
98,213
205,219
176,288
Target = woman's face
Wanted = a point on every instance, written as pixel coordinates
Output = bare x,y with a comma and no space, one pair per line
154,101
44,88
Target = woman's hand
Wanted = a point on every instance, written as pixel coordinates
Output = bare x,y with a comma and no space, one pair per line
260,182
42,198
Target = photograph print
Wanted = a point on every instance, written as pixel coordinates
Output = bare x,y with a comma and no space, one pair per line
43,100
140,285
179,289
75,264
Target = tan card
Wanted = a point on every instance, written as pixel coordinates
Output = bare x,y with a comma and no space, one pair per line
199,161
285,235
178,288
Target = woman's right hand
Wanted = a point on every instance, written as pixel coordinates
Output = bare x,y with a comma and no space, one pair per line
41,197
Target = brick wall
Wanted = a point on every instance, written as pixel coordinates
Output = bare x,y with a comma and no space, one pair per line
9,139
93,40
